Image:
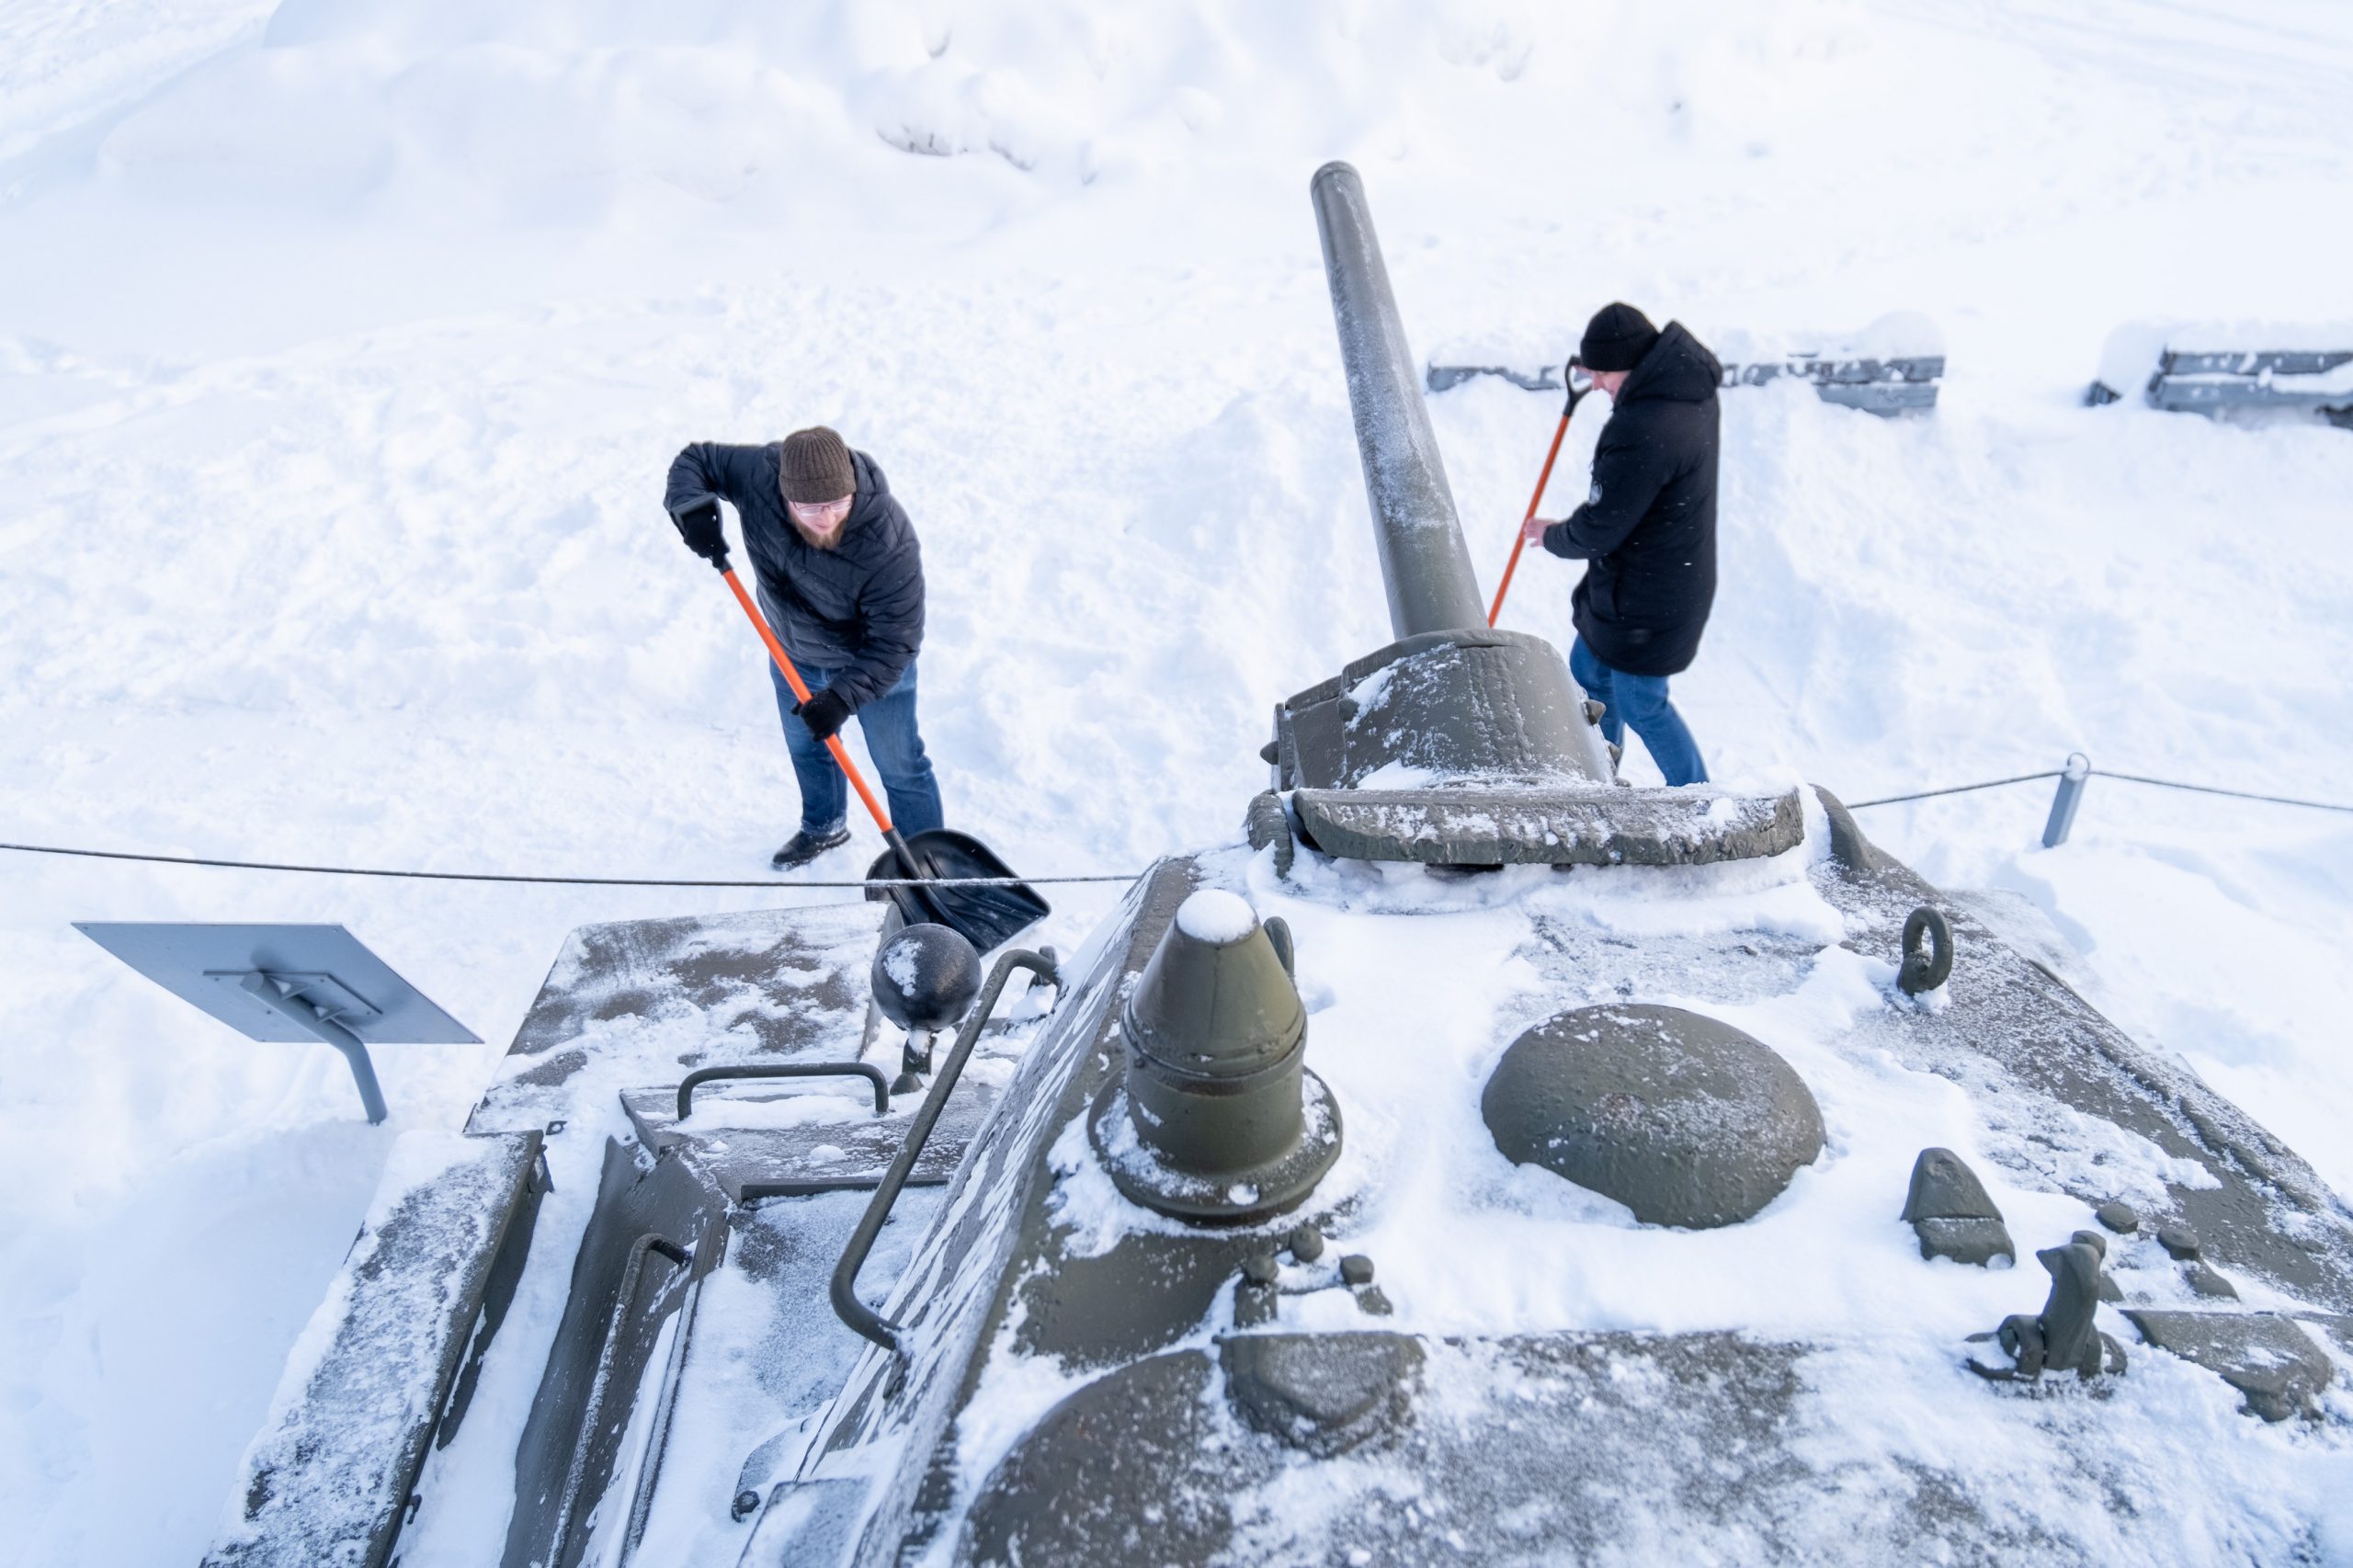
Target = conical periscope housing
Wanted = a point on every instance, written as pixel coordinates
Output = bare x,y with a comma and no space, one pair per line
1216,1117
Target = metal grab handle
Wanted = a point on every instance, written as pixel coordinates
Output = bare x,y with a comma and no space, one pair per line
576,1472
847,1305
701,1075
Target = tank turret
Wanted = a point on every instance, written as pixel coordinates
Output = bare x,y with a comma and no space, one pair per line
1456,745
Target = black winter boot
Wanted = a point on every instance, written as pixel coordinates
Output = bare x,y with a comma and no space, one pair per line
800,848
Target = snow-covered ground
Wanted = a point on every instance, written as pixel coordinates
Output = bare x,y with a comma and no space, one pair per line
344,344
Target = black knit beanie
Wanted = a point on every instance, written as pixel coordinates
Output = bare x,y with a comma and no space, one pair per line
1617,338
814,466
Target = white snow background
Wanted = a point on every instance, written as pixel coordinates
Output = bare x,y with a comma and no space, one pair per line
344,344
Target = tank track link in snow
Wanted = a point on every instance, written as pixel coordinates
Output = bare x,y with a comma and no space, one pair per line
1906,385
2215,383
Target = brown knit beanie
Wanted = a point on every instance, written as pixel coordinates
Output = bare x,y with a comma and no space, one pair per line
814,466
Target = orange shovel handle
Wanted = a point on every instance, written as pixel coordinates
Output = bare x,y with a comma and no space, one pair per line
801,689
1519,539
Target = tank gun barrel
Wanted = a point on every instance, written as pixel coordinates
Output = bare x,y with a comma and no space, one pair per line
1423,560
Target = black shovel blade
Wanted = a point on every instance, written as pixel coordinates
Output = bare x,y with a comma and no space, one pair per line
986,916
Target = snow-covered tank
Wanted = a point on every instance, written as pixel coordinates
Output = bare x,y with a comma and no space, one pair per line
1485,1162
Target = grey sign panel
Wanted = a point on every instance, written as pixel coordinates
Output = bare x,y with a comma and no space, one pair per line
289,983
325,966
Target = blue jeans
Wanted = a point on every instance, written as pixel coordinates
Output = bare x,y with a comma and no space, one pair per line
1640,701
889,725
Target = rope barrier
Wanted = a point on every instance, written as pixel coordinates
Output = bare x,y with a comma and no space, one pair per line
2104,773
1005,882
2216,790
1956,790
576,881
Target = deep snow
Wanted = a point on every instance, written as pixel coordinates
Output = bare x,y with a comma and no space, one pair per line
343,345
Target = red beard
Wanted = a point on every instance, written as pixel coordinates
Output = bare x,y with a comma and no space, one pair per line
831,541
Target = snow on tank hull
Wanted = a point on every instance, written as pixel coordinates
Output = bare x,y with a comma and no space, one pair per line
1074,1394
1531,1374
1586,1324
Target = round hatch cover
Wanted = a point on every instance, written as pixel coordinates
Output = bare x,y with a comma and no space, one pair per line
1683,1119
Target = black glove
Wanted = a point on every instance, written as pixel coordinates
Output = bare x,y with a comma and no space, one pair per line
698,526
824,713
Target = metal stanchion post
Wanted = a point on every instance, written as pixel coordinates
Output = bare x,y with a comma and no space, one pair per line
2063,803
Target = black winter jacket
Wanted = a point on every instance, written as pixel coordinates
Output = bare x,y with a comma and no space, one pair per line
1647,532
857,609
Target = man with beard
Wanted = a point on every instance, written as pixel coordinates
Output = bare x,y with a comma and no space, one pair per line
1646,532
841,582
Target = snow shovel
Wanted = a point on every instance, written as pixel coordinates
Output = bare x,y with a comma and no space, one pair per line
1519,539
986,916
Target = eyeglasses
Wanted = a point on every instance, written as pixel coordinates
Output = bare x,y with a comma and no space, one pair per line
811,511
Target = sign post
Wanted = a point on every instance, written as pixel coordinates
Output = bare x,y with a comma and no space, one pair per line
286,982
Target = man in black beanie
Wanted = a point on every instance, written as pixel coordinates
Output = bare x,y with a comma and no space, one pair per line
841,582
1646,532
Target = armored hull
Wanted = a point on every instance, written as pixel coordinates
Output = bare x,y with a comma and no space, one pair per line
1485,1162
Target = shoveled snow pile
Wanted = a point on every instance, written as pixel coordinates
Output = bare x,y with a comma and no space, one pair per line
344,344
1899,334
